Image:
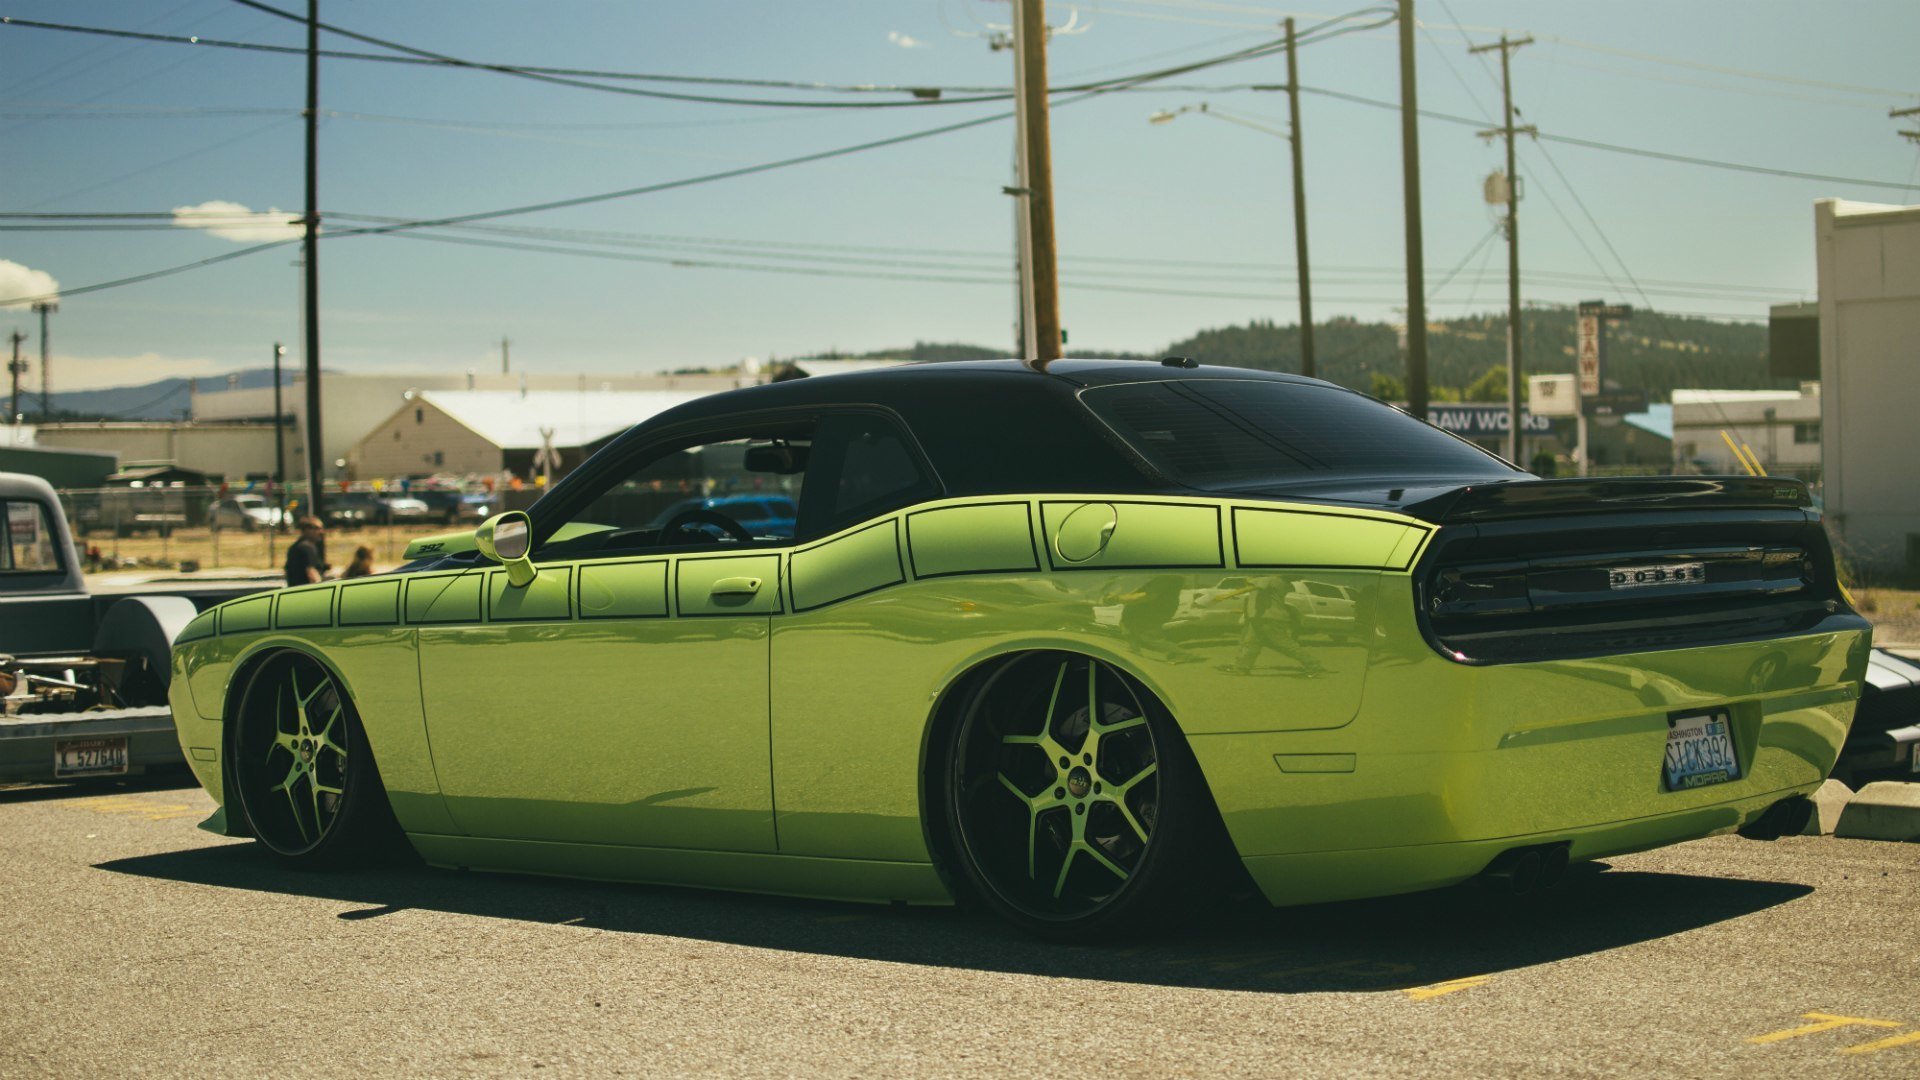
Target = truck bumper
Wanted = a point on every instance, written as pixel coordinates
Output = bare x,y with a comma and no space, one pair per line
28,743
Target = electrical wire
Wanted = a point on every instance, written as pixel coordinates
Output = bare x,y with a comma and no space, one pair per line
1593,144
922,95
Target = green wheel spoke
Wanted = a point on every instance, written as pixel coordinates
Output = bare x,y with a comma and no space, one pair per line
1120,790
326,733
1053,699
1133,823
1121,725
293,805
1066,864
1096,855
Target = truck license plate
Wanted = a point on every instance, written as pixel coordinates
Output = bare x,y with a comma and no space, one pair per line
1700,751
90,757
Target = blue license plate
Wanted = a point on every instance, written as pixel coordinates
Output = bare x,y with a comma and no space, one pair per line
1700,751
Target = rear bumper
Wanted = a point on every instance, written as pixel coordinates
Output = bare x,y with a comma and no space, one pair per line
1446,765
27,743
1321,876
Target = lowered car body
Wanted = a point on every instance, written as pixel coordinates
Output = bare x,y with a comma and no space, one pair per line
976,664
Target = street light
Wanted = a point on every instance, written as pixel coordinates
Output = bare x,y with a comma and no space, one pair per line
279,439
1167,116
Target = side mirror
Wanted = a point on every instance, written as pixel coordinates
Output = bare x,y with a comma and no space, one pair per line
508,539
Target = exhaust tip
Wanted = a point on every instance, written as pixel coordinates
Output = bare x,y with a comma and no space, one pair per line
1788,817
1526,870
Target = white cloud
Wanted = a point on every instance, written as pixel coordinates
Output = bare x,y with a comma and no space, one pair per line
232,221
905,41
17,281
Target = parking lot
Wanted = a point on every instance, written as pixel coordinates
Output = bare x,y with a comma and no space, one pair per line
135,943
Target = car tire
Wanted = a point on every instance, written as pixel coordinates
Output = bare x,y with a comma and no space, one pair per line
303,773
1073,829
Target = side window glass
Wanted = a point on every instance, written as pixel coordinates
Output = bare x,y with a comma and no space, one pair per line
865,466
739,491
27,544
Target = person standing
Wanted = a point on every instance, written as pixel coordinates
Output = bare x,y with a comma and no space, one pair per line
307,556
362,564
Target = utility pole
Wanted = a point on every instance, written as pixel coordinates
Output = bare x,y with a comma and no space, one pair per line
1030,55
1900,114
1299,206
310,254
45,308
1506,47
279,438
16,368
503,355
1416,254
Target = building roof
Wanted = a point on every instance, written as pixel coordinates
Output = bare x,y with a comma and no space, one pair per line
1658,420
513,421
1727,397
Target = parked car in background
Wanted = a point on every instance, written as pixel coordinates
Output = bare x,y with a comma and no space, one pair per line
244,512
401,510
349,509
451,506
761,515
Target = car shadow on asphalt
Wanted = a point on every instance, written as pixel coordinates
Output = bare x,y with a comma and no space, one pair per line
1378,945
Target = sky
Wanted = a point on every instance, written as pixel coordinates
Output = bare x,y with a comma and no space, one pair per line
1163,229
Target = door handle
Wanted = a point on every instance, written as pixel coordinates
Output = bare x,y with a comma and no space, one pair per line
735,586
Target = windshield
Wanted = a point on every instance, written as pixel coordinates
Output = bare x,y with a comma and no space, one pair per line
1226,434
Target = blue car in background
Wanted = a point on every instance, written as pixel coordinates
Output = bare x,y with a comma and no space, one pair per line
761,515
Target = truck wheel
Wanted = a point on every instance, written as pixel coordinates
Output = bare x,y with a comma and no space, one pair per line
139,630
303,771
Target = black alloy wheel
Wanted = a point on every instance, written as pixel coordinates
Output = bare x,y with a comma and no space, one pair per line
302,770
1073,805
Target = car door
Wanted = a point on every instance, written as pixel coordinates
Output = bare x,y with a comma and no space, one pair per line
621,696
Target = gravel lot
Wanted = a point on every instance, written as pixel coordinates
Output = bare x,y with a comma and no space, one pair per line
135,944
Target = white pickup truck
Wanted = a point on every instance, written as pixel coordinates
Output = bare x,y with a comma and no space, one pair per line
83,677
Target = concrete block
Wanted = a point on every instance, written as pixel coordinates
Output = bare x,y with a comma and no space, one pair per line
1832,798
1883,810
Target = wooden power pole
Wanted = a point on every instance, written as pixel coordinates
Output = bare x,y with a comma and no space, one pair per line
1416,253
1299,206
1030,53
310,253
1514,432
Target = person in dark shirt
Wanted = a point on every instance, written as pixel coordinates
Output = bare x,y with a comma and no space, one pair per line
307,556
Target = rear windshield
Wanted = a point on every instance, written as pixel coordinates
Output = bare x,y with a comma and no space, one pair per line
1222,434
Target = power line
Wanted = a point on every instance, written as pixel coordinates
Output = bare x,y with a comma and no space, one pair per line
148,276
1615,148
922,95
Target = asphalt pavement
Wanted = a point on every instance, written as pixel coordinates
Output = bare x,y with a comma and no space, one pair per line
134,944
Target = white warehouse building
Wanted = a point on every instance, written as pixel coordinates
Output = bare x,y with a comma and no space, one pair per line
1869,345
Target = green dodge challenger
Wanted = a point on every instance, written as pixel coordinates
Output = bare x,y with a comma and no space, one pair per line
1063,642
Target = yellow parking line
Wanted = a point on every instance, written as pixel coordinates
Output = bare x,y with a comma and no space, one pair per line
1888,1043
149,809
1451,986
1822,1022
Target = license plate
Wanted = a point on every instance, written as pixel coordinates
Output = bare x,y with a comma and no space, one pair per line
90,757
1700,751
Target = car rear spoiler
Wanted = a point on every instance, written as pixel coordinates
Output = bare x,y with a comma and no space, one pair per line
1612,494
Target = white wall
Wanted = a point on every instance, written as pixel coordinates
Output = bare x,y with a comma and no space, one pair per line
1869,265
232,451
